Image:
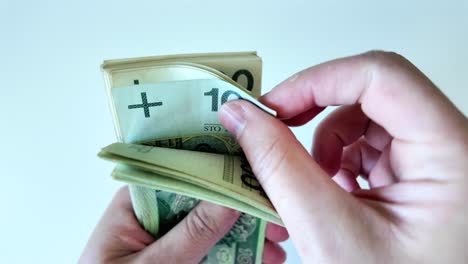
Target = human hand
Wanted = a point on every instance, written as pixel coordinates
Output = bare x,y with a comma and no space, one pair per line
396,129
119,238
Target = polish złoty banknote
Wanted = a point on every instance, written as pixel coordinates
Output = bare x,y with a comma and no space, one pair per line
172,102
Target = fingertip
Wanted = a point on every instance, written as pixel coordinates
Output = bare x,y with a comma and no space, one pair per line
269,99
232,116
238,116
347,180
304,117
276,233
281,96
273,253
340,128
327,152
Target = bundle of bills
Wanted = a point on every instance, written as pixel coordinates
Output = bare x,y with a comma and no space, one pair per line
173,151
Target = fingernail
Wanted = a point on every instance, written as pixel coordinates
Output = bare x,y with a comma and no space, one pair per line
232,116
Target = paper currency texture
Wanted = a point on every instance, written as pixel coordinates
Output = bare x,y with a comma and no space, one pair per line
174,151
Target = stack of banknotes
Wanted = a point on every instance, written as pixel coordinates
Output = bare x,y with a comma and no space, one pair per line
173,151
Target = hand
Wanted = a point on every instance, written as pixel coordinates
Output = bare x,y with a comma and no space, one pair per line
396,129
119,238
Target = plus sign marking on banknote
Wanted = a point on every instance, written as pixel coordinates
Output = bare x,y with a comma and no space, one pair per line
145,105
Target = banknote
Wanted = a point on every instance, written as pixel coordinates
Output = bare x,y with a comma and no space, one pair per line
172,102
229,176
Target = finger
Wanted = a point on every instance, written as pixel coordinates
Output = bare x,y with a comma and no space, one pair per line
117,234
377,137
121,208
276,233
392,91
295,184
273,253
341,128
346,180
303,118
382,173
191,239
358,158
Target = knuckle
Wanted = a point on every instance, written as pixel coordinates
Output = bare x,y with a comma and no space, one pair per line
379,61
381,66
384,56
201,226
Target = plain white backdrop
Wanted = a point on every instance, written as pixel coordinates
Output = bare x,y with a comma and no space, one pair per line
54,110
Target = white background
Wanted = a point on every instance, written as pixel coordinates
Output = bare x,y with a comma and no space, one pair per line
54,110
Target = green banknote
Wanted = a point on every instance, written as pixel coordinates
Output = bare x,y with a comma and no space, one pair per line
227,176
172,102
240,245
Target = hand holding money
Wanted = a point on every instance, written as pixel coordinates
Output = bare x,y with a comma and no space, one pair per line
416,208
119,238
396,129
173,151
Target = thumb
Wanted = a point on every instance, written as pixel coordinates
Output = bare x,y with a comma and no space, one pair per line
303,194
191,239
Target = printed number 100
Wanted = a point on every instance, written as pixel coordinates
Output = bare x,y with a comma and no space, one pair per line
214,93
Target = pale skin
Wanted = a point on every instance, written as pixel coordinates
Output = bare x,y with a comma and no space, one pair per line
396,129
119,238
393,127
